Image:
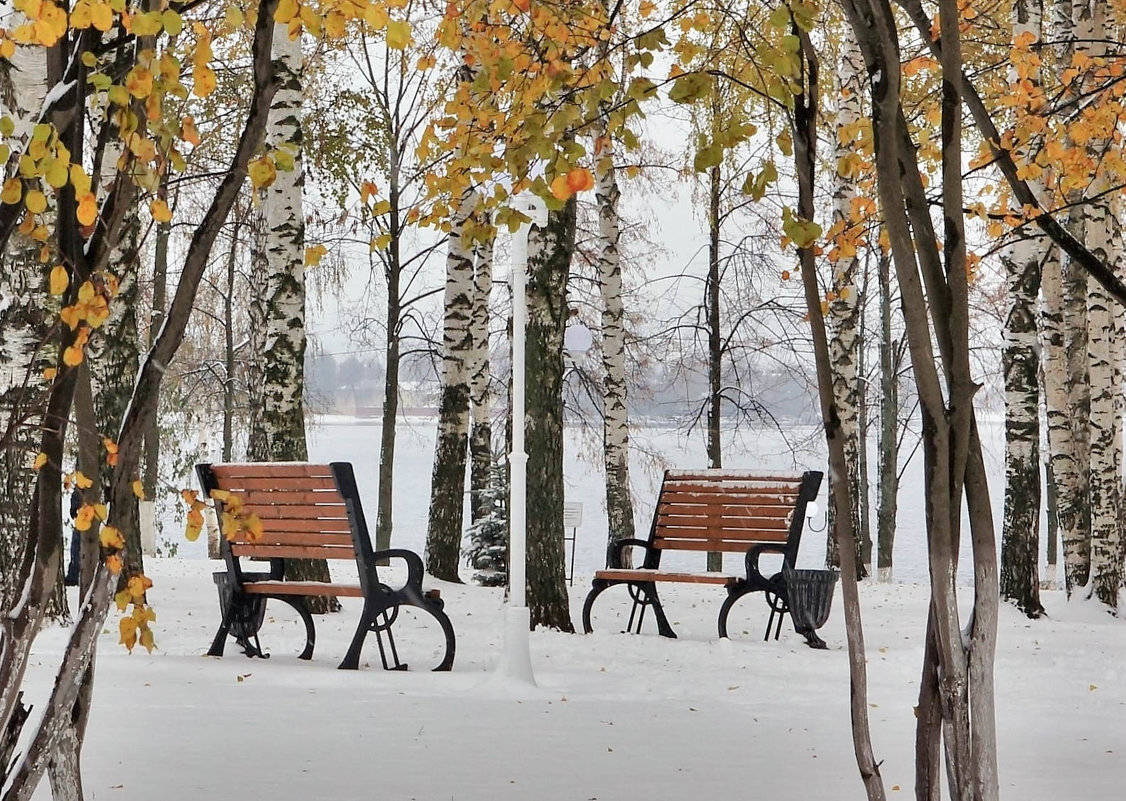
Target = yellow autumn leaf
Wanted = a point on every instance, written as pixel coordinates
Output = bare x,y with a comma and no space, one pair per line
147,640
49,374
101,16
646,8
137,585
114,564
72,356
111,538
87,210
203,80
35,201
139,489
560,188
40,460
102,511
262,172
122,599
84,518
128,628
160,211
398,34
81,480
195,525
286,10
314,254
59,280
12,192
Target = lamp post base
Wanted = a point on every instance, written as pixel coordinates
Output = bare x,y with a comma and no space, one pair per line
516,659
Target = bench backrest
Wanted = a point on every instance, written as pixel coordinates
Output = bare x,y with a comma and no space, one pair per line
732,510
308,511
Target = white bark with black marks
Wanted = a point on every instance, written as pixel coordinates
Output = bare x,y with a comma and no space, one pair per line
480,383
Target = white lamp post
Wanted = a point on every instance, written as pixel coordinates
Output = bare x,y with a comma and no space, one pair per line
516,661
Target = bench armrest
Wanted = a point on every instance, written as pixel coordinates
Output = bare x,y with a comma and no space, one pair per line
413,560
616,549
755,578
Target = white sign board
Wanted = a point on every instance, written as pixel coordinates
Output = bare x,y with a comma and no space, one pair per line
572,515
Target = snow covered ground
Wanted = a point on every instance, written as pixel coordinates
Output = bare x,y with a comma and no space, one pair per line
614,716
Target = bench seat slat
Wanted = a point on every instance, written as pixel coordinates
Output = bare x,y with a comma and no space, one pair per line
329,526
321,511
722,475
727,546
659,575
293,551
734,520
712,498
302,588
288,497
232,474
720,533
295,538
283,484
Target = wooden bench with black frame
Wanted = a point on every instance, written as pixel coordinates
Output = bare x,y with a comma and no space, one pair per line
308,511
733,511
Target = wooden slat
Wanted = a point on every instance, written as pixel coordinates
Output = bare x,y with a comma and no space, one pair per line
292,551
323,526
302,588
727,546
721,508
721,533
732,519
281,483
745,498
289,497
233,473
657,575
718,475
323,511
297,538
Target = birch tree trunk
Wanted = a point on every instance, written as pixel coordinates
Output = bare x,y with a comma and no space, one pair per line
550,250
1103,233
282,420
480,389
845,307
615,431
1067,398
1020,528
151,474
447,486
715,346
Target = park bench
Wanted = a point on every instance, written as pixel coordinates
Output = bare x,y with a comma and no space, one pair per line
307,511
734,511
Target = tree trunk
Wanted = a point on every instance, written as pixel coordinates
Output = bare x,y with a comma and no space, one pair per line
390,412
715,347
229,363
114,354
1020,532
888,464
151,474
447,487
549,262
480,390
283,415
845,308
805,159
615,431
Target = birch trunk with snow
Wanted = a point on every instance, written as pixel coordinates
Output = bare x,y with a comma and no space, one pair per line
1020,526
550,250
282,420
151,474
845,309
1103,235
1067,398
615,431
480,388
447,485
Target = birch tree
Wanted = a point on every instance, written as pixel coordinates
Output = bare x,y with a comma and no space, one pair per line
1020,528
282,416
480,384
447,485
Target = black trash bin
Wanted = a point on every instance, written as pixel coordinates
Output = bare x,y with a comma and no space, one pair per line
248,614
809,594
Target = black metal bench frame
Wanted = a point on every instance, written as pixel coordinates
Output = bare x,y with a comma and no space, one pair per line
643,593
243,612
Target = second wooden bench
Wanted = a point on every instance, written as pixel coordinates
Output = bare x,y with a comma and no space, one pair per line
733,511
